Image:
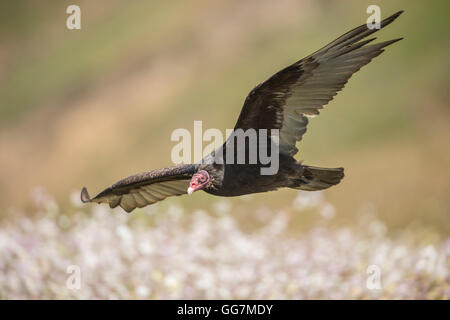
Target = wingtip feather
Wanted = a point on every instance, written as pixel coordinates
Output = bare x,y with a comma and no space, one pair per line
85,195
391,18
389,42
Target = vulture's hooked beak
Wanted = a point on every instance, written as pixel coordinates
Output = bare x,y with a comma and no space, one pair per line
190,190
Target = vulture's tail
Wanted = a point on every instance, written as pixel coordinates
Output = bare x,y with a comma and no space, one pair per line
315,178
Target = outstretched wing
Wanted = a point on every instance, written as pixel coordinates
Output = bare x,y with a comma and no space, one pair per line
146,188
285,100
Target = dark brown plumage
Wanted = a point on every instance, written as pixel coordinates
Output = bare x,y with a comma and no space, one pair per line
146,188
283,102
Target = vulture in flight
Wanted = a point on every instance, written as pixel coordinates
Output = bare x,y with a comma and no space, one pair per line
281,105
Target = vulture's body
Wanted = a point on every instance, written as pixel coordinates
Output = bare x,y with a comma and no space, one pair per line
281,105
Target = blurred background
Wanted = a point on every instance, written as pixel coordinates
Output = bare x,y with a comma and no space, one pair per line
89,107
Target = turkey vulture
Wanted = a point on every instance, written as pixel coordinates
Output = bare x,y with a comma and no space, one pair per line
281,105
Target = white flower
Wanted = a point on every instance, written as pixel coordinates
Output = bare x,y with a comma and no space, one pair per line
327,210
306,200
142,291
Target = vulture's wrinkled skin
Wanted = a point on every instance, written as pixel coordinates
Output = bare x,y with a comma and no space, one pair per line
283,102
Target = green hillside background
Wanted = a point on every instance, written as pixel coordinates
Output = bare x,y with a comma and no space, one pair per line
88,107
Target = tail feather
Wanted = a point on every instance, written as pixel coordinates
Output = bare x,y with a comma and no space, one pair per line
315,178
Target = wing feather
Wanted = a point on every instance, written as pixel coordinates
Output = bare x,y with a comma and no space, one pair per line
140,200
143,189
303,88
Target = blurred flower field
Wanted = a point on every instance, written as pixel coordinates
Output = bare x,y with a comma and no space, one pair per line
173,254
